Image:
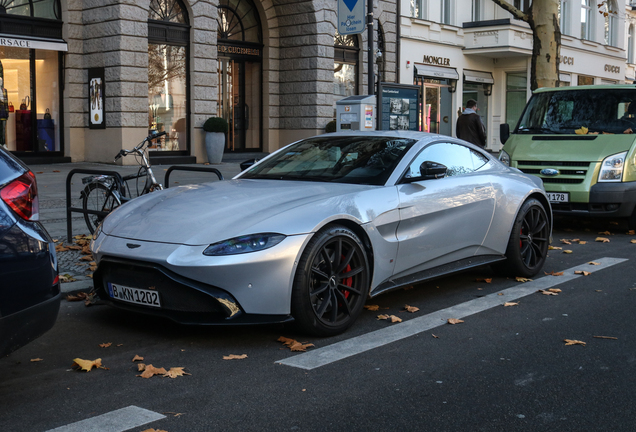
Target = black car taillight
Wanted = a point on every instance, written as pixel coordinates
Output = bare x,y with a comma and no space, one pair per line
21,195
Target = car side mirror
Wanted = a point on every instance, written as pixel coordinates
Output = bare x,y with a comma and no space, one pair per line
248,163
504,132
432,170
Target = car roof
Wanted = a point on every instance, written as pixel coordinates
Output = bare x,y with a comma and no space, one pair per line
415,135
587,87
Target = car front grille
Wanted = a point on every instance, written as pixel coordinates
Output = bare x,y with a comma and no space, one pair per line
565,176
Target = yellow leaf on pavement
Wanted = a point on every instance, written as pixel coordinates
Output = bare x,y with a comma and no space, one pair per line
511,304
606,337
553,273
235,357
372,307
605,233
150,371
137,358
487,280
554,290
554,248
573,342
383,317
411,309
36,360
454,321
582,272
546,292
632,241
602,239
175,372
582,242
594,263
565,241
567,251
88,365
105,345
395,319
631,232
582,131
522,279
293,344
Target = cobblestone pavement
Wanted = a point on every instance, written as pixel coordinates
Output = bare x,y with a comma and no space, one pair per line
51,180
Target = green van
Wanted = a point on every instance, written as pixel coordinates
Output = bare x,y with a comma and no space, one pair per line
582,142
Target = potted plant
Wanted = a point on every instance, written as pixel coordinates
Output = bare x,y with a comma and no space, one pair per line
215,129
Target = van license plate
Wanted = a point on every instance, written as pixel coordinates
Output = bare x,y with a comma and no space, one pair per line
134,295
558,197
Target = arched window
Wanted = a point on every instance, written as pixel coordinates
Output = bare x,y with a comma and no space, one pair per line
168,93
32,8
238,21
630,44
610,13
586,20
346,53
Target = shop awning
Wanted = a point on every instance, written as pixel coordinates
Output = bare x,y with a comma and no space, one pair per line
438,72
565,77
33,43
478,77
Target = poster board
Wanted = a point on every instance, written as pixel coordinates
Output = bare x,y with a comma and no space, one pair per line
399,107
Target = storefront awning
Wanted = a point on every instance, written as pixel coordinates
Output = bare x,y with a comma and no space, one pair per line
565,77
33,43
478,77
436,72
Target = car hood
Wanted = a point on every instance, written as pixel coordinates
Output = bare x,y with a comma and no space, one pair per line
205,213
577,149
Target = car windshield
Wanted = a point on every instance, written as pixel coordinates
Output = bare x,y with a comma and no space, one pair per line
581,112
349,159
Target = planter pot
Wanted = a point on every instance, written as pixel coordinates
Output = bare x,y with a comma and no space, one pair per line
214,146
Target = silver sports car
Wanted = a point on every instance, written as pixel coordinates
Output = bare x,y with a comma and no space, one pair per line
311,231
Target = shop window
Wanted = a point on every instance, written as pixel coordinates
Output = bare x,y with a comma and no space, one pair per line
32,8
630,44
610,25
475,92
516,96
585,80
168,38
586,20
346,61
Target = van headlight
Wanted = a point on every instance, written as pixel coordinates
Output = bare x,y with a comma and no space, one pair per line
612,168
504,158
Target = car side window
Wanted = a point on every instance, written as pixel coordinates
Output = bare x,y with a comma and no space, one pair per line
458,159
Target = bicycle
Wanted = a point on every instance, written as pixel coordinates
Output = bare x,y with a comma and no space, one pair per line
103,193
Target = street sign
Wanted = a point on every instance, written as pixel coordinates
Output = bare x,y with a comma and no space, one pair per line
351,16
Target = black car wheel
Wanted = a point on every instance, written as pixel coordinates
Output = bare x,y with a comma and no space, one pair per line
529,241
331,282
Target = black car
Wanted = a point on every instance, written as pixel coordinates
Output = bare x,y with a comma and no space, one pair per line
29,282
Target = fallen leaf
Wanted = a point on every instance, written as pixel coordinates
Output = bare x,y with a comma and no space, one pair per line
77,297
36,360
554,248
395,319
137,358
499,293
554,290
454,321
150,371
594,263
87,365
372,307
141,367
383,317
567,251
511,304
175,372
582,272
631,232
575,240
582,242
573,342
436,337
487,280
598,337
411,309
602,239
582,131
522,279
105,345
235,357
598,290
546,292
605,233
176,414
632,241
67,278
39,172
293,344
565,241
86,258
553,273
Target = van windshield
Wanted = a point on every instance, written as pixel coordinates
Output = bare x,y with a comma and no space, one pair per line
581,112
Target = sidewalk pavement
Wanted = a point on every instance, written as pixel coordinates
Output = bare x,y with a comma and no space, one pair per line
51,179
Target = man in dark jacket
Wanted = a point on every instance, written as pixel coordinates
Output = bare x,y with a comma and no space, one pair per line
469,126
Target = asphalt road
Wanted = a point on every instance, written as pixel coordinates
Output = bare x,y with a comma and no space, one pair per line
502,369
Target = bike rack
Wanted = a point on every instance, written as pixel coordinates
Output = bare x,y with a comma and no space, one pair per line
69,209
190,168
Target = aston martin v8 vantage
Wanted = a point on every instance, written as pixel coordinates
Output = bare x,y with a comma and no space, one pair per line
314,229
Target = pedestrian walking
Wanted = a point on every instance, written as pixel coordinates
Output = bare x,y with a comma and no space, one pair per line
469,125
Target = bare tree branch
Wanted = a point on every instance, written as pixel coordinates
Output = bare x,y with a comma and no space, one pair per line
513,10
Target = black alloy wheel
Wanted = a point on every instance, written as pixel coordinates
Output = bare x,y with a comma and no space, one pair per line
331,283
528,245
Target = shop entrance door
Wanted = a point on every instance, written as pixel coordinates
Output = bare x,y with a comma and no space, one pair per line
436,112
239,103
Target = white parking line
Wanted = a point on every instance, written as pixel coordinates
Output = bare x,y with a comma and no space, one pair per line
350,347
115,421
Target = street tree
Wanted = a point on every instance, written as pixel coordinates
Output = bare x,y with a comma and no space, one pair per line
543,18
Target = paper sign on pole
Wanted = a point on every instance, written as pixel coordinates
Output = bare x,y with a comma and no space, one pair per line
351,16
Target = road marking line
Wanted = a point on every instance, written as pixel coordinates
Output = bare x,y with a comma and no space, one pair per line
115,421
359,344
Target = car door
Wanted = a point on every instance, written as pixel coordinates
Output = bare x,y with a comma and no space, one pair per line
446,219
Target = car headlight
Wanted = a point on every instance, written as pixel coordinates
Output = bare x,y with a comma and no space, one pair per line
612,168
244,244
504,158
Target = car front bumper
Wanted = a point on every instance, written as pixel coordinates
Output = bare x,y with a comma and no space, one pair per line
605,200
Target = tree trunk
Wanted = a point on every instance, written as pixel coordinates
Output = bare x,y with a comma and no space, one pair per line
546,40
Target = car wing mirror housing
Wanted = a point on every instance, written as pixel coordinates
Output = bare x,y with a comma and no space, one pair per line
429,171
246,164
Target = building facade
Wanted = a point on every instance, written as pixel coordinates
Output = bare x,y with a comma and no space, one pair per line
459,50
83,79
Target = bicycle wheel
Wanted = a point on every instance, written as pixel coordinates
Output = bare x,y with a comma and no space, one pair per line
99,198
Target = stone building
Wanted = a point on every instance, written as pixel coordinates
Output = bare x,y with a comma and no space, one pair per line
86,78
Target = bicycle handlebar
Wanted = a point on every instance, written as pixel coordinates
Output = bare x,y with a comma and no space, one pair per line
140,145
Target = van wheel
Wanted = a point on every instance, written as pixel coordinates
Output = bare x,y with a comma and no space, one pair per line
631,221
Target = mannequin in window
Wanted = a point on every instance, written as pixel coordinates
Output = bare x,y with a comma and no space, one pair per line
4,108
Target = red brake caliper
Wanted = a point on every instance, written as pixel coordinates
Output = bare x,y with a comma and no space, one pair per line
348,281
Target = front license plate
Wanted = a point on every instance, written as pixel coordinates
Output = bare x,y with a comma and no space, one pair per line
558,197
134,295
